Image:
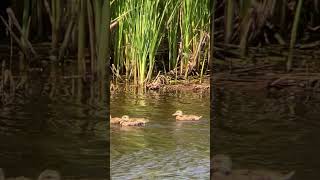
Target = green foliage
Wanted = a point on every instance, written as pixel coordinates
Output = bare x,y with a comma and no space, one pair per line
294,33
180,26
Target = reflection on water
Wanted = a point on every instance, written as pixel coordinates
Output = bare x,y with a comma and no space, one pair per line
276,131
62,133
164,148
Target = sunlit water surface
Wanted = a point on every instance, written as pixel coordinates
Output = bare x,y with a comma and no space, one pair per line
164,148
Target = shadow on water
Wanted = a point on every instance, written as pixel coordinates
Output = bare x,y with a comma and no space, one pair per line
164,148
40,129
269,130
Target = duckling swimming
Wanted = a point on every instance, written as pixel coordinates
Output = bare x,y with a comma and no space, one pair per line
2,177
222,166
126,121
181,117
115,120
49,174
222,163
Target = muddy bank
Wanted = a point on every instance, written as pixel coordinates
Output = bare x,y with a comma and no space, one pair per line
195,85
203,87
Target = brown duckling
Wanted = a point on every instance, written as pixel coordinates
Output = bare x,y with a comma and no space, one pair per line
222,170
221,163
126,121
115,120
2,177
182,117
49,174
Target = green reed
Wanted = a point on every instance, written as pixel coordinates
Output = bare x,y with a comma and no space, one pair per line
294,33
172,31
140,34
194,27
229,20
145,25
25,29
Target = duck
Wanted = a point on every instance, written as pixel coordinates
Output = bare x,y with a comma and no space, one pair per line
126,121
221,163
49,174
2,177
222,170
182,117
115,120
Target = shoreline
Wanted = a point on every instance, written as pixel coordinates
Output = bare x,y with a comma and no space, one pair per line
196,85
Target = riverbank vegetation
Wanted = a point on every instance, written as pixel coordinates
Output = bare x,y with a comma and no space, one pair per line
152,42
243,26
266,43
154,38
66,40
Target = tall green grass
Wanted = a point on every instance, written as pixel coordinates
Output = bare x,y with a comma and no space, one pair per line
179,27
172,33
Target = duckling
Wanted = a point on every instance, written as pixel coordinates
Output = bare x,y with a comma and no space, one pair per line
181,117
222,165
49,174
126,121
2,177
115,120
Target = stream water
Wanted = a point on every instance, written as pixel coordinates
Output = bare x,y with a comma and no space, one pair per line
62,133
269,130
164,148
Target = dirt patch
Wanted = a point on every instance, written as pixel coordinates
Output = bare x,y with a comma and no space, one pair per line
194,85
187,87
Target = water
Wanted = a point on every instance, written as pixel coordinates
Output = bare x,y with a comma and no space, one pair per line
38,132
164,149
273,130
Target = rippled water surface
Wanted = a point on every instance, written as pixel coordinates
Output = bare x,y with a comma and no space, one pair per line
278,130
38,132
164,148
